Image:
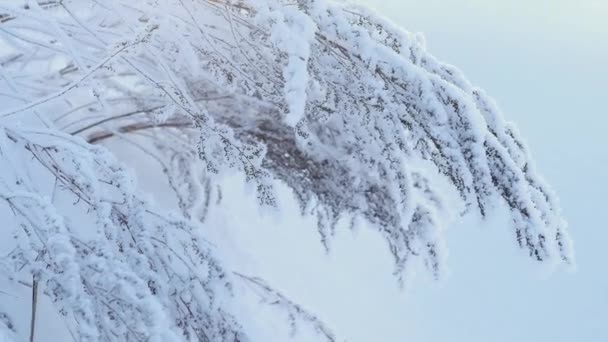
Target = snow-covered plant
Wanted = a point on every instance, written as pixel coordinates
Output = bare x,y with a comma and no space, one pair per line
114,265
349,111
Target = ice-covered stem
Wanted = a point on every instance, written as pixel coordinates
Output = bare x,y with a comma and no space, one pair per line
380,124
114,266
296,313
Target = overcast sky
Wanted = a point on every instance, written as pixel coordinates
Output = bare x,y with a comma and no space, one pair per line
546,63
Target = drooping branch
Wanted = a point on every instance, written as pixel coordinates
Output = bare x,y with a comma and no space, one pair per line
377,118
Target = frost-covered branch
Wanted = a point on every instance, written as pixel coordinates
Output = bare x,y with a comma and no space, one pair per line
124,269
349,111
296,313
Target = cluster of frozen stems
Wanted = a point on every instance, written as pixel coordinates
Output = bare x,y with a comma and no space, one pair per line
349,111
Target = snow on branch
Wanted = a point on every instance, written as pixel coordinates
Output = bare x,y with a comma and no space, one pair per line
373,111
296,314
349,111
115,266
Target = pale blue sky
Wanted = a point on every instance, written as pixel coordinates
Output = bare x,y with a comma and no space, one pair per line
546,63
